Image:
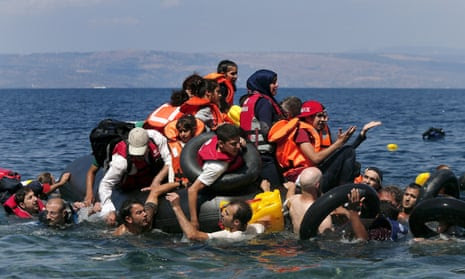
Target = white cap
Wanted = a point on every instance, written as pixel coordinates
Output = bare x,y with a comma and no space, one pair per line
137,140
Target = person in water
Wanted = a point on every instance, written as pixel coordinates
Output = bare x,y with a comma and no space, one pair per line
24,203
137,218
298,204
58,213
45,184
373,177
259,111
384,227
393,194
234,217
142,161
220,154
412,194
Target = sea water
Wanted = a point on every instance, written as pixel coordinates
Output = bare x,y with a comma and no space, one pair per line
46,129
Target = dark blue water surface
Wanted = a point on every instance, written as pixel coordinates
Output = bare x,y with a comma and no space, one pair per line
44,130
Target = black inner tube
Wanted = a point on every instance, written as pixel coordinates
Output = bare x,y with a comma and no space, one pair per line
237,182
332,199
444,209
442,179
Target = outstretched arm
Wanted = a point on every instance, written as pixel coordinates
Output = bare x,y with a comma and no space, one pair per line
151,203
189,230
193,193
64,178
362,136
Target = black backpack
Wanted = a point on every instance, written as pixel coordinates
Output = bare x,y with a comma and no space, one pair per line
105,136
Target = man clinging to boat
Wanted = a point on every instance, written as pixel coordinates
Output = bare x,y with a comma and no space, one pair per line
142,161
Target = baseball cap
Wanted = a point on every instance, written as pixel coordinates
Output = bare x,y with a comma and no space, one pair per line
310,108
137,141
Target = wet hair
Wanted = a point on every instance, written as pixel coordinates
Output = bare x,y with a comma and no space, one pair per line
227,132
207,85
178,97
192,83
442,167
45,177
243,213
378,171
395,191
292,106
125,210
224,65
387,209
21,194
188,122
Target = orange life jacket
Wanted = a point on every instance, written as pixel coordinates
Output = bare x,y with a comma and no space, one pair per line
221,79
194,104
175,151
161,116
288,154
176,146
171,133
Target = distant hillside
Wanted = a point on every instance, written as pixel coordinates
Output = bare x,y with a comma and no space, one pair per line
130,68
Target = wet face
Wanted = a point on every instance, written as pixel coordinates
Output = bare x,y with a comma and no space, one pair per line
274,87
138,216
410,197
185,134
231,74
230,147
30,203
370,177
55,214
386,196
227,216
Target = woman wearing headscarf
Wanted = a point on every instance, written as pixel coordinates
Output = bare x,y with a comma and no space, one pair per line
260,111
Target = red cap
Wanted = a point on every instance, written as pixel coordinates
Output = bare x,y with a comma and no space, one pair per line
310,108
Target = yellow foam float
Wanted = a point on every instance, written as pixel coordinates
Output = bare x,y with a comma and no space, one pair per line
422,178
392,147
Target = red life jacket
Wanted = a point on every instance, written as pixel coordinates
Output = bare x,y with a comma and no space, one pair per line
194,104
221,79
209,152
147,169
12,207
161,116
251,125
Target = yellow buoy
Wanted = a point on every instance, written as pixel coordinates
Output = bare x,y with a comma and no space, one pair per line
422,178
392,147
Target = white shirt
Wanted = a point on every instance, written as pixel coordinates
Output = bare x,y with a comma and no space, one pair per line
118,167
227,236
211,171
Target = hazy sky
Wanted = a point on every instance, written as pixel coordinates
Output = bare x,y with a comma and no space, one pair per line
29,26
